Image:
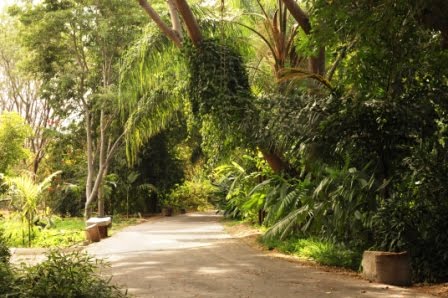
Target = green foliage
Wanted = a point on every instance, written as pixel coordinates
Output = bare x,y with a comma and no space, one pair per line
26,196
61,275
322,252
402,221
192,195
219,92
218,83
63,233
4,250
65,275
148,98
290,207
13,133
6,273
156,171
240,198
6,279
66,199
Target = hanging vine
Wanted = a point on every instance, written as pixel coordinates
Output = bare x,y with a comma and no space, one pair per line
218,82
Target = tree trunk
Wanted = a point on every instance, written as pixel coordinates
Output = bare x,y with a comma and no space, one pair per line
274,161
175,20
101,198
160,23
299,15
101,211
317,63
193,30
90,159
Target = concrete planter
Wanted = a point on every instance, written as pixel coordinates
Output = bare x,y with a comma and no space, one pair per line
387,267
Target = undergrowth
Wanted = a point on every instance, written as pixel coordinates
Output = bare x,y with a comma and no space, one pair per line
322,252
64,232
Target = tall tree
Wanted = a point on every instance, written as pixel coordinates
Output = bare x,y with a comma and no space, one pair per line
76,47
20,91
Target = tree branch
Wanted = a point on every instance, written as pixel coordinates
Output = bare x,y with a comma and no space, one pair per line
317,63
175,20
193,29
338,60
160,23
299,15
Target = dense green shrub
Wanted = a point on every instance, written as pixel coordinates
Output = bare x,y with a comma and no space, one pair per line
66,199
323,252
4,250
192,195
6,274
240,194
65,275
414,219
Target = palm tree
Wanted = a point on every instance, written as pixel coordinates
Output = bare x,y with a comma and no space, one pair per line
26,196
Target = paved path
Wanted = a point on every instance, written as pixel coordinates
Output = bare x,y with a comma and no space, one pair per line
192,256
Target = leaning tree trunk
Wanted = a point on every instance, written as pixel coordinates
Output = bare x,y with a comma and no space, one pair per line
316,63
193,30
275,162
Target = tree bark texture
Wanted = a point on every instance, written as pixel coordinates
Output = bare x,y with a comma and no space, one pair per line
274,161
193,30
175,20
316,63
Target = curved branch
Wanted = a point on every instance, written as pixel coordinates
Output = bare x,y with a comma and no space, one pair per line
190,21
160,23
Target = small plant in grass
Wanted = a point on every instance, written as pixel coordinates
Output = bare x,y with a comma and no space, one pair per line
26,197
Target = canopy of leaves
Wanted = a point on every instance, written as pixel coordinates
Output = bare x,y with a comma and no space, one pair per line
13,133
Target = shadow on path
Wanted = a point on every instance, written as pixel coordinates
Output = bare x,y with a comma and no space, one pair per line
192,256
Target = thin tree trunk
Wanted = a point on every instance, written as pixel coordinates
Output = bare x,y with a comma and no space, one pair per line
193,30
89,181
102,163
175,20
299,15
317,63
160,23
100,175
101,198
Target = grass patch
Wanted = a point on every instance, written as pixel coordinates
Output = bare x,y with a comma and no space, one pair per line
65,231
322,252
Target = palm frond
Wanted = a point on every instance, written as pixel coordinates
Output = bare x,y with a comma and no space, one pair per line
289,74
150,92
285,226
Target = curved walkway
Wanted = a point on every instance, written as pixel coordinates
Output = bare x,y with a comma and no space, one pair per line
192,256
